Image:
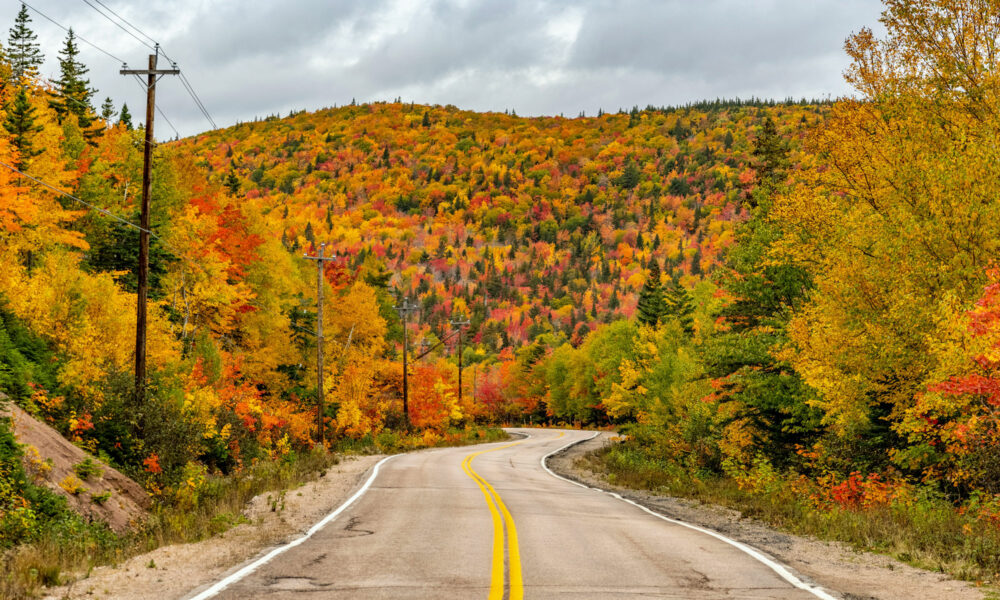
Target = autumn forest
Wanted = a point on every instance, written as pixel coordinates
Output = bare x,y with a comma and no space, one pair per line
799,298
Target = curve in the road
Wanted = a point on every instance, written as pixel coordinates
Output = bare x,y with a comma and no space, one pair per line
497,507
775,566
426,538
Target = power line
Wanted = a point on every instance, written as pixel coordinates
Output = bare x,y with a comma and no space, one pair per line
104,212
124,20
76,35
159,110
119,60
117,24
197,100
156,48
190,90
108,214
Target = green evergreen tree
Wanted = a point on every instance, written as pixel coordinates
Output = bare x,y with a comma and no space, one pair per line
20,124
651,303
630,176
107,111
678,304
73,91
770,152
232,183
765,390
125,117
23,50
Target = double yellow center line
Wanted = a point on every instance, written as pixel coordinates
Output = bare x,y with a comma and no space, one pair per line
498,508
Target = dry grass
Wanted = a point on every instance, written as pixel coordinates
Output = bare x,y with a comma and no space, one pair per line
928,533
73,546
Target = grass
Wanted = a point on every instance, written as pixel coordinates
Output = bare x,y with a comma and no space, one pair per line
72,545
928,533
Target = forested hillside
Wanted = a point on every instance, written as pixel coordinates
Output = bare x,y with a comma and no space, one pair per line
529,226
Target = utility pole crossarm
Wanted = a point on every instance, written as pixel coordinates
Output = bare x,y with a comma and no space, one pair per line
153,72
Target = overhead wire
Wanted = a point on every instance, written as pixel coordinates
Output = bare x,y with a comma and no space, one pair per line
160,110
117,24
197,100
180,255
75,34
76,199
188,86
103,211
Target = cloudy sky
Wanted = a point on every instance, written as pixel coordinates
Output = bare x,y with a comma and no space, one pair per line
249,58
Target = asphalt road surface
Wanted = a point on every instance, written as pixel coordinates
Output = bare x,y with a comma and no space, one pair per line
489,522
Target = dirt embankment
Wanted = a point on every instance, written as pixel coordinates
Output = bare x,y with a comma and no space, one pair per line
176,571
853,575
94,490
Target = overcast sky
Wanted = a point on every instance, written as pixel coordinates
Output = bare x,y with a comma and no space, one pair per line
261,57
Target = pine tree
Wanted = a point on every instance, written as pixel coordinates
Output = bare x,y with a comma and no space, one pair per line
73,91
678,304
107,111
651,303
125,117
20,124
630,176
232,183
770,154
22,50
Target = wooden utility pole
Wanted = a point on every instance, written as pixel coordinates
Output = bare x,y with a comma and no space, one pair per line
321,261
152,74
461,336
404,309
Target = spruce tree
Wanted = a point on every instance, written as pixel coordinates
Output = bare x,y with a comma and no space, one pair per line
232,183
73,91
651,304
107,111
20,124
125,117
770,154
678,304
23,50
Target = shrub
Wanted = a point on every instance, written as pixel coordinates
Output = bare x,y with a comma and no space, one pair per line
72,485
88,468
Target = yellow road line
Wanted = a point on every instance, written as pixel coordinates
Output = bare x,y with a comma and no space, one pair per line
493,501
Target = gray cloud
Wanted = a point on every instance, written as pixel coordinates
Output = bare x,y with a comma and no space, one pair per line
249,59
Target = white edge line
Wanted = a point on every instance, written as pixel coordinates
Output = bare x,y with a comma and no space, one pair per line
775,566
233,578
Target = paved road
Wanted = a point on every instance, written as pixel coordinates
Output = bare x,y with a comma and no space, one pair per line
488,522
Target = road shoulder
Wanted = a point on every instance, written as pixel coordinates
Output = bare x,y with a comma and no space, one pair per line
176,570
835,566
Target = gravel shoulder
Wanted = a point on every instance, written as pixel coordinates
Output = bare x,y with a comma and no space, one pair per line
175,571
838,568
